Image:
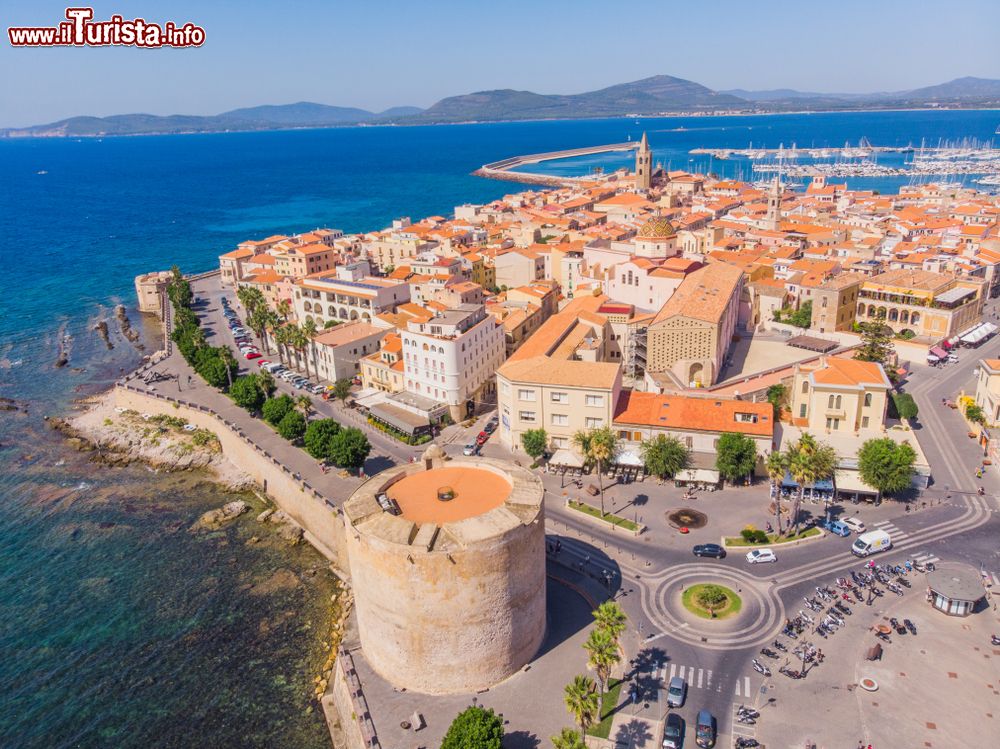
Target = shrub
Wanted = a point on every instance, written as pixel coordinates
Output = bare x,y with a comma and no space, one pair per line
246,393
712,597
349,448
317,437
275,409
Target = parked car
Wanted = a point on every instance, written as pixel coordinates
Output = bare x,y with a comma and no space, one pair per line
317,389
705,730
251,355
835,527
225,302
677,692
673,732
854,524
760,556
288,375
262,363
471,449
490,427
709,550
481,439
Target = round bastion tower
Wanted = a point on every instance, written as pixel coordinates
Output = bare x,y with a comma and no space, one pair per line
447,563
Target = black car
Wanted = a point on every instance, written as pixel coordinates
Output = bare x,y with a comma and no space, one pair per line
709,550
490,427
673,732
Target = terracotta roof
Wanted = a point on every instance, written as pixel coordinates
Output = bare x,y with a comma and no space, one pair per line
693,413
704,294
849,372
340,335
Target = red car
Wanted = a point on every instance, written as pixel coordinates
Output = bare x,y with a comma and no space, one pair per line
481,439
251,355
262,362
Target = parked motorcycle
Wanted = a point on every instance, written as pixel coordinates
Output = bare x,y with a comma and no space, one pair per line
760,668
768,652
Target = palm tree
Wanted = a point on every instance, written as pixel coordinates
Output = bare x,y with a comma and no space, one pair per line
664,455
777,464
610,617
284,307
304,404
568,739
270,321
309,330
599,446
603,654
297,340
251,298
282,339
581,702
809,461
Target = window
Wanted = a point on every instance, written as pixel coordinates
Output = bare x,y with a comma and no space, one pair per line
595,400
833,424
802,411
746,418
868,400
560,397
560,420
593,423
560,442
525,395
829,403
805,388
864,422
838,401
688,441
623,434
526,416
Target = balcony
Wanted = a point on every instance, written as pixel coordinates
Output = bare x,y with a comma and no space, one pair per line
835,413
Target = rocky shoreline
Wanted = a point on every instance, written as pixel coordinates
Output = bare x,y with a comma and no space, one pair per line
118,436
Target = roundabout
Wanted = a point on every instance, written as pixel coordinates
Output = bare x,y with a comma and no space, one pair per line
757,616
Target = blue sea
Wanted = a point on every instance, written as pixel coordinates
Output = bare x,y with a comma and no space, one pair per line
117,626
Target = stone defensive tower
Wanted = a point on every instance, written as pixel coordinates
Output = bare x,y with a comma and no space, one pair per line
447,562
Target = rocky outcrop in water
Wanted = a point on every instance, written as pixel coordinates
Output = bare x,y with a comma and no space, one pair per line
126,327
101,326
215,519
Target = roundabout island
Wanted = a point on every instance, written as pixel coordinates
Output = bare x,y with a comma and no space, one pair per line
711,601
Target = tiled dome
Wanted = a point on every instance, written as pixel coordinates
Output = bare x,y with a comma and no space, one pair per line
657,228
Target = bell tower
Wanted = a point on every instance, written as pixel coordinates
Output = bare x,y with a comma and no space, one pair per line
643,165
773,220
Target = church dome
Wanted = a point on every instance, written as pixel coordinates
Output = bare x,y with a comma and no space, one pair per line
657,228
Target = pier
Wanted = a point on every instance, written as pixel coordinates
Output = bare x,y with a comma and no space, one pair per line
503,169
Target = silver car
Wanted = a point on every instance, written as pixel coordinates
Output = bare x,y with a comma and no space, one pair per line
677,692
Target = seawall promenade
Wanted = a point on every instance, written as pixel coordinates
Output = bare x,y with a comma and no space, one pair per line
504,169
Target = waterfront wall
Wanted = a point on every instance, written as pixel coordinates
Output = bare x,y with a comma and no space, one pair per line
347,698
317,515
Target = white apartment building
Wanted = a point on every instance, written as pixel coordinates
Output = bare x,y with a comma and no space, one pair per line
452,357
338,296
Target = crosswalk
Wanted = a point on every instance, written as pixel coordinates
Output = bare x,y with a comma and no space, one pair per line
892,529
701,678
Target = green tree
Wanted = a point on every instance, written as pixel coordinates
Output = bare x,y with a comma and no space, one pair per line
309,331
602,656
581,702
886,465
318,437
776,465
876,342
610,617
568,739
664,455
246,393
251,298
304,404
214,371
275,409
282,335
906,407
534,442
349,448
735,456
776,396
802,317
292,425
711,597
809,461
474,728
342,390
266,383
284,308
599,447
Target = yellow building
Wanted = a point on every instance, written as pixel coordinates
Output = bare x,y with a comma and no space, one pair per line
839,395
383,370
689,337
560,379
933,306
988,390
834,302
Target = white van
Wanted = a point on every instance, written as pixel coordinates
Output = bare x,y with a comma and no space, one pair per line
871,542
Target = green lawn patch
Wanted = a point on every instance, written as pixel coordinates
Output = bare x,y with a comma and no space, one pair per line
603,729
610,519
729,607
772,538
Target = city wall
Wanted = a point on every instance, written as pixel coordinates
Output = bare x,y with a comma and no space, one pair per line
321,521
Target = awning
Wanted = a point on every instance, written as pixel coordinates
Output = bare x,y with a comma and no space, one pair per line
404,421
705,475
628,458
566,458
850,481
822,485
939,352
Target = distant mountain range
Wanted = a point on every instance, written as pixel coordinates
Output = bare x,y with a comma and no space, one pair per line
661,94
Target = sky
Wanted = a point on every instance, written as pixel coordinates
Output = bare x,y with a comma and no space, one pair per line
376,54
